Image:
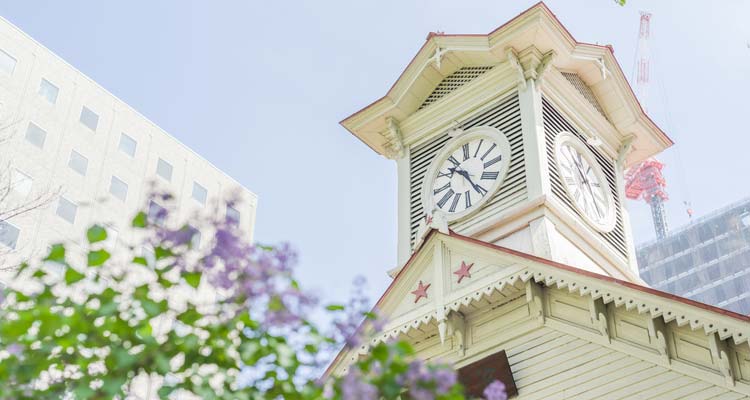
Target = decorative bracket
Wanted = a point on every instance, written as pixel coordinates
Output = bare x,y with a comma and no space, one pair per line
394,146
516,65
530,64
622,152
719,353
535,298
544,66
599,317
657,329
438,56
599,63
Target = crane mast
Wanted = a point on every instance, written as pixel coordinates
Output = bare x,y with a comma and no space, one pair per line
645,181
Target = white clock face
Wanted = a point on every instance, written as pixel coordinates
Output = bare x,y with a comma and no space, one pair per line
584,181
468,172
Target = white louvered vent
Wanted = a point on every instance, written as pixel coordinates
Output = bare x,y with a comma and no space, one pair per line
584,90
555,123
453,82
505,115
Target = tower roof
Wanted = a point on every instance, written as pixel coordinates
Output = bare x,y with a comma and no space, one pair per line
443,54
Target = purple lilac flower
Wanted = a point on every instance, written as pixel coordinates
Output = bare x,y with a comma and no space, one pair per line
14,349
495,391
353,387
445,378
256,276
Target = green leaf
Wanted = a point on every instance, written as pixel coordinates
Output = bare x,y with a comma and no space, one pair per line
140,260
165,391
98,257
189,316
72,276
380,353
162,364
56,253
275,304
164,282
161,252
153,308
83,392
39,274
404,348
96,234
193,279
335,307
140,220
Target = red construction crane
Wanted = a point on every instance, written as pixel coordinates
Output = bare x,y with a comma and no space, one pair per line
645,180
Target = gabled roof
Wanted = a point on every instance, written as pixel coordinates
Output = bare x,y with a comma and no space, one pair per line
537,26
508,270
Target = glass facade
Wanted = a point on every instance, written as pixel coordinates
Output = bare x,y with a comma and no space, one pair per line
707,260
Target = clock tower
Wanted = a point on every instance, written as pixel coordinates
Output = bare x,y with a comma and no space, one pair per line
517,138
515,254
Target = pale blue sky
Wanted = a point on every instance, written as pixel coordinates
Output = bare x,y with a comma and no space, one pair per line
258,89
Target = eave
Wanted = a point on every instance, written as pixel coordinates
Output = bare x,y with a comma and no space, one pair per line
528,268
537,26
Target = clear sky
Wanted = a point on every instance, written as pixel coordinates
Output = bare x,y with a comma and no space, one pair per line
258,89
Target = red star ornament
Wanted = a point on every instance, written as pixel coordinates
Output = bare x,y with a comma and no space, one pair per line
463,271
421,291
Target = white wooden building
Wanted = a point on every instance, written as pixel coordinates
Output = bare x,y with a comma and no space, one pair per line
513,237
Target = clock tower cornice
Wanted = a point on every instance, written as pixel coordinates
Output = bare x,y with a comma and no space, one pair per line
536,28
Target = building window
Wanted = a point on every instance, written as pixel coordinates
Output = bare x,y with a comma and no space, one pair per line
195,240
745,219
9,234
199,193
127,145
164,169
112,235
89,118
36,135
67,210
48,91
118,188
20,183
78,162
233,216
7,63
156,213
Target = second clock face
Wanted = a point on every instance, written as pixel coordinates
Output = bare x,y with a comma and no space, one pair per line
584,182
468,172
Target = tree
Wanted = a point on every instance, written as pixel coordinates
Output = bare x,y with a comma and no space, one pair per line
223,321
16,195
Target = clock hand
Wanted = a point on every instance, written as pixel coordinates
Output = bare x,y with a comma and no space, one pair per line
585,182
466,175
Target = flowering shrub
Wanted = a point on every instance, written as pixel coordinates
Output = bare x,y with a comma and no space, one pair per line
225,320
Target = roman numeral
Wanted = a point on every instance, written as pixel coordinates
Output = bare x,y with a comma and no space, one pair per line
445,198
455,202
494,160
466,151
478,147
438,190
467,197
480,190
490,175
443,174
454,161
488,151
